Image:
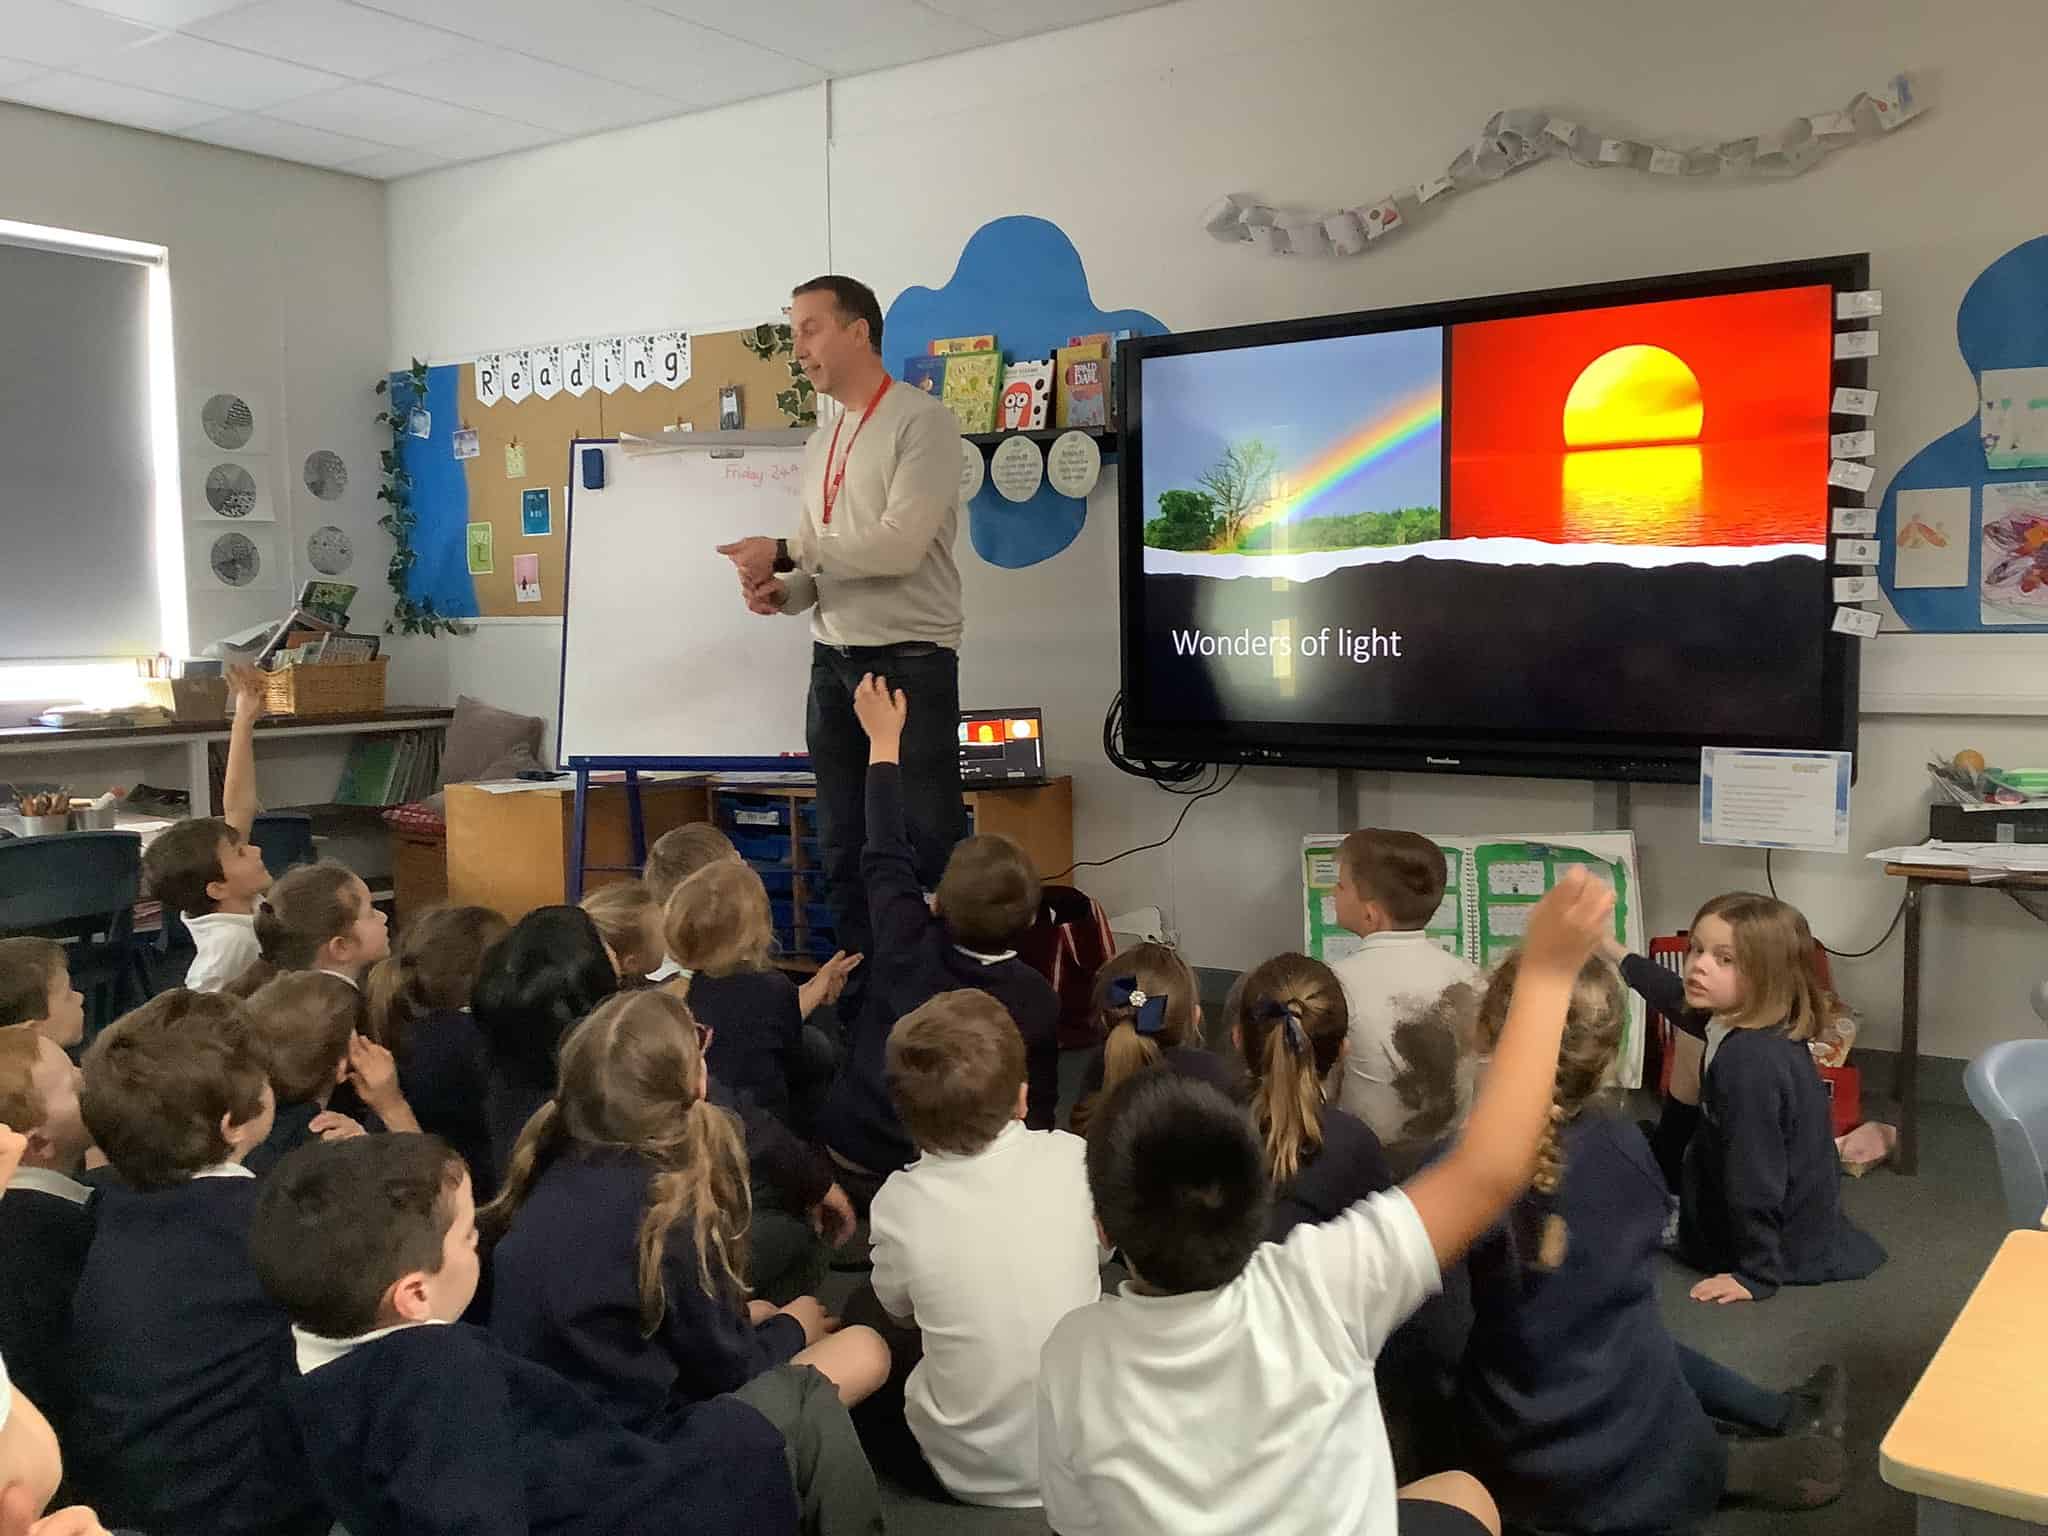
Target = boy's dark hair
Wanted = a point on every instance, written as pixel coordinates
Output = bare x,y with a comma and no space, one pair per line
1178,1180
160,1080
856,301
339,1221
301,1022
1403,871
28,967
953,1067
680,852
988,895
183,860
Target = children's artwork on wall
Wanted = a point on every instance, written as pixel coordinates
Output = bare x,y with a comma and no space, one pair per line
1022,280
217,558
329,550
536,519
326,475
228,488
1964,542
230,422
526,578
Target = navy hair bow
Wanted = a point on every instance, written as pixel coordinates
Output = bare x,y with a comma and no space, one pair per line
1124,992
1289,1017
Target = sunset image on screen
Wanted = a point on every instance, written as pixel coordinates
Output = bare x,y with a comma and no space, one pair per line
1687,422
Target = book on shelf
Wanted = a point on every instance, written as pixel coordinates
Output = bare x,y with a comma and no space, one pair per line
927,374
973,380
1107,340
1081,393
367,777
945,346
1026,403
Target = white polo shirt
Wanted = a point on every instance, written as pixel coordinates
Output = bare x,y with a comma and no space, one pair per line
988,1252
224,945
1248,1410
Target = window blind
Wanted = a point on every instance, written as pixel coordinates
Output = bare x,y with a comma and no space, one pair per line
77,487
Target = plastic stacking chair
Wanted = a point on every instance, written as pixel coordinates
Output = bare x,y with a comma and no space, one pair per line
80,888
2008,1086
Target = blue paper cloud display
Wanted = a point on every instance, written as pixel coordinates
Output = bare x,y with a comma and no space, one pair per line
2001,323
1022,279
440,503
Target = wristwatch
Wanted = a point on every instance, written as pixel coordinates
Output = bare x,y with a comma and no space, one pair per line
782,560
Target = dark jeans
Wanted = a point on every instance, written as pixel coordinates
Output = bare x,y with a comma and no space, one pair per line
929,676
1732,1397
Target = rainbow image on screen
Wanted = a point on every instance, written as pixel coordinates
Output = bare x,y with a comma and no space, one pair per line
1328,484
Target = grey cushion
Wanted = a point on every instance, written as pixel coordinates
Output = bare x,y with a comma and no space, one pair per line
480,737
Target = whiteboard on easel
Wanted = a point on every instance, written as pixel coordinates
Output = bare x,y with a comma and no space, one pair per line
660,657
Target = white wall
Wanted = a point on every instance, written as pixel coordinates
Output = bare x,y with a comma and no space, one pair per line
277,293
1325,102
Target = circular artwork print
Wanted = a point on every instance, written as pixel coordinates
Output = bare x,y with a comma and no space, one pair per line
326,475
234,559
330,550
231,490
228,421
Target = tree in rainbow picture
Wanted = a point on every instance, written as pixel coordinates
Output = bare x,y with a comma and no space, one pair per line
1329,445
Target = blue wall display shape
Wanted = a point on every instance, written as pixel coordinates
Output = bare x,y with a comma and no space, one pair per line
2001,323
440,503
1022,279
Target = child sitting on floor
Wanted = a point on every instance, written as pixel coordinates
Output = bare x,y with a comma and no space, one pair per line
419,999
205,868
1289,1022
306,1027
418,1425
979,1246
177,1355
1229,1386
35,989
1760,1202
1583,1414
676,855
45,1223
318,917
965,937
630,921
1405,1075
1148,1011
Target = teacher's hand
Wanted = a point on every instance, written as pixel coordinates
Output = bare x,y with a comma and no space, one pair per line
765,596
755,558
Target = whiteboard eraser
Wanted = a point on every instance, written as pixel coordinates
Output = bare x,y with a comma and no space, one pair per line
593,469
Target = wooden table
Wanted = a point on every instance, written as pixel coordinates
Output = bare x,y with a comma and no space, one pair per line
1918,877
1971,1444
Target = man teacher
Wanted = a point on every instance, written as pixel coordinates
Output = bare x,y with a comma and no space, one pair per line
872,562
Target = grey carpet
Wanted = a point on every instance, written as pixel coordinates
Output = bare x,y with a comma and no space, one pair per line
1940,1230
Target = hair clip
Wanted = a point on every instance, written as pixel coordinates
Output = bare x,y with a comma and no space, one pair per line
1124,992
1288,1016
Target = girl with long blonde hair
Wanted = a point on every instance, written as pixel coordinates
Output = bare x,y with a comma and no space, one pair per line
621,1231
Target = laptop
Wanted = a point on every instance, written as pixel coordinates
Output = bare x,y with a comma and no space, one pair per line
1001,746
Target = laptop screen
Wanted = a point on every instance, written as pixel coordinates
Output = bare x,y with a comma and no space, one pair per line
999,744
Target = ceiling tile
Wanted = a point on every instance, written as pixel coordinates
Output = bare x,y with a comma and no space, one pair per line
393,163
286,141
108,102
1011,20
48,32
327,34
161,13
390,117
203,71
531,90
833,35
619,40
494,136
13,71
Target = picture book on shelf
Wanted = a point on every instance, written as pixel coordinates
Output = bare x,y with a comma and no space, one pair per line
1491,887
1026,404
1107,340
947,345
973,380
1083,395
927,374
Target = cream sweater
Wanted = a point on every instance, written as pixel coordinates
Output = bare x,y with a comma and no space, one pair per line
883,571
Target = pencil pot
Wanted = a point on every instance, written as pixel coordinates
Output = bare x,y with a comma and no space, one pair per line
43,826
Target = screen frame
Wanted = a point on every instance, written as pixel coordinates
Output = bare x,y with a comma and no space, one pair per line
1034,711
1612,757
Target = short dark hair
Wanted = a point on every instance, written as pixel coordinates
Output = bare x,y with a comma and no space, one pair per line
988,895
1178,1180
160,1080
339,1222
1403,871
301,1022
953,1067
185,859
28,969
856,301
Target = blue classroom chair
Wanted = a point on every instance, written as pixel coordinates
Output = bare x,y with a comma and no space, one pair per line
80,888
2008,1085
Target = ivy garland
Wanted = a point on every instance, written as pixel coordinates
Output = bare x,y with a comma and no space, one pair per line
407,393
799,402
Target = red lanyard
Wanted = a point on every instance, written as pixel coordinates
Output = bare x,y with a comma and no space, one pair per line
832,481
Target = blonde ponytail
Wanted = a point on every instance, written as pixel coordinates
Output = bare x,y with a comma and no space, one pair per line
1290,1022
539,1144
710,1189
1146,1002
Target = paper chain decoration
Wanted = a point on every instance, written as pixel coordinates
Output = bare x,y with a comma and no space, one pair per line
1515,139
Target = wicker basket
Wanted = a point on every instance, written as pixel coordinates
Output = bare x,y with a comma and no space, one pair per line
327,688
